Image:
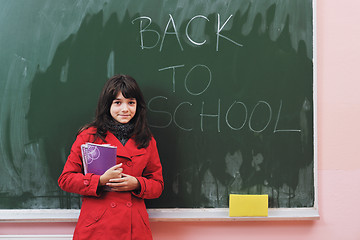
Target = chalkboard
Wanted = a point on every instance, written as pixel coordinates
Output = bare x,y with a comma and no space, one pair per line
229,87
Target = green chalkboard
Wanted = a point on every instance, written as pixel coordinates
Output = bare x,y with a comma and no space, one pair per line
229,87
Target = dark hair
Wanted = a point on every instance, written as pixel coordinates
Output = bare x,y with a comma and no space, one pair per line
129,89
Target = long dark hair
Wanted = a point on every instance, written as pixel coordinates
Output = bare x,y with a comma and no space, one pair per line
129,89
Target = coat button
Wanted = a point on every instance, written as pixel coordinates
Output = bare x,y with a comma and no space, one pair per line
128,204
113,204
86,182
129,164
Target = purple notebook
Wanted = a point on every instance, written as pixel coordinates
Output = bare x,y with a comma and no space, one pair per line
97,158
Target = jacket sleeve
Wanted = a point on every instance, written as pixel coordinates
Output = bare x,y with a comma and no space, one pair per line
151,181
72,178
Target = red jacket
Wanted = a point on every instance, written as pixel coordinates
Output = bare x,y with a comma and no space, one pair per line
113,215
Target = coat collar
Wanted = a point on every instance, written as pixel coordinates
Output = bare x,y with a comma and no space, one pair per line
129,150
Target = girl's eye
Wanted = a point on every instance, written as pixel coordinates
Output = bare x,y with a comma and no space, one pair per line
132,102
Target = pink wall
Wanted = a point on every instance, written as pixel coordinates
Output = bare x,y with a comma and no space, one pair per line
338,85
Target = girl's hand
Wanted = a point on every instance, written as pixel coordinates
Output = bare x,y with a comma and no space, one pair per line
111,173
125,183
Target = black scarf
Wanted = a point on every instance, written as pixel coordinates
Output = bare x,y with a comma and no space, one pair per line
123,132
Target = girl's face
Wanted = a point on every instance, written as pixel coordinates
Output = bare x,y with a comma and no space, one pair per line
123,109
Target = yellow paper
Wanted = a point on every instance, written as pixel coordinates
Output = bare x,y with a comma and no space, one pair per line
248,205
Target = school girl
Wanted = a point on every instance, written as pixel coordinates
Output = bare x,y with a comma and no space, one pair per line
118,213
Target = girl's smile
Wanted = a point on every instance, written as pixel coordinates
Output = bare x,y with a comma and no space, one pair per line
123,109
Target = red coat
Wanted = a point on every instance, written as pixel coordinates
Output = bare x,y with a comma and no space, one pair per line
113,215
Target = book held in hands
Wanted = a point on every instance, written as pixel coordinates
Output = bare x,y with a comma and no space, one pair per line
97,158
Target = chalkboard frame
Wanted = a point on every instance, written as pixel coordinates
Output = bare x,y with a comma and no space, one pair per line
194,214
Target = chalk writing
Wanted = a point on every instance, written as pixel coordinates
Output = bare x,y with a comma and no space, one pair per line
219,29
187,30
171,29
277,122
202,115
251,116
145,29
175,112
172,117
187,77
227,115
173,73
171,20
159,111
205,116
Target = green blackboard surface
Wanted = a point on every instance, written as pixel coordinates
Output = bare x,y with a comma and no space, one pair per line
229,86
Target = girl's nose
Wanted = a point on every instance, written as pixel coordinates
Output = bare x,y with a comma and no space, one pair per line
124,109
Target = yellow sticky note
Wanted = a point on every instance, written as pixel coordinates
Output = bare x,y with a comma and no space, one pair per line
248,205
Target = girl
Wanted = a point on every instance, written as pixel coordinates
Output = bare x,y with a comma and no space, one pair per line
120,121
